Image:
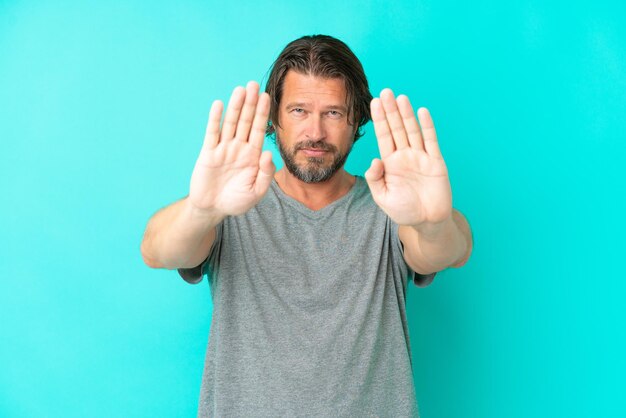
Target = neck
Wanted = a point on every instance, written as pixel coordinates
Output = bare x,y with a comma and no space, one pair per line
315,196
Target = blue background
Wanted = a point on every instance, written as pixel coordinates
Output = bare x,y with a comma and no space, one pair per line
103,107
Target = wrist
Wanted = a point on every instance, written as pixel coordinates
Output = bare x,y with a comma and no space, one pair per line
431,230
205,216
451,236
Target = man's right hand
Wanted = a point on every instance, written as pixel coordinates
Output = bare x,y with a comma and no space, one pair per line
232,173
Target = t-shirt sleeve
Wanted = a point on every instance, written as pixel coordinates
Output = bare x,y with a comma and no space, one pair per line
194,275
423,280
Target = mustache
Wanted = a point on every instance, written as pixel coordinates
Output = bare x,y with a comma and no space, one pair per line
309,144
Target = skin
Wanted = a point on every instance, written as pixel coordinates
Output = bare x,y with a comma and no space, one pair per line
314,109
230,176
410,182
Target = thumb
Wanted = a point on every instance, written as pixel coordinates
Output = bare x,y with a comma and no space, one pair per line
265,174
375,177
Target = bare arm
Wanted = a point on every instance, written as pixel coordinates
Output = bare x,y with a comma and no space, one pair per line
432,248
410,183
230,176
178,236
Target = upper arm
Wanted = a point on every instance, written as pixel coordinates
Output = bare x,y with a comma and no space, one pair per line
178,236
193,274
410,251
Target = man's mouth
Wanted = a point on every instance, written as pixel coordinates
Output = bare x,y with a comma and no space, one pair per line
314,149
313,152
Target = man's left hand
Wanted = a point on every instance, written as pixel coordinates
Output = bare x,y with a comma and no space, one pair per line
410,182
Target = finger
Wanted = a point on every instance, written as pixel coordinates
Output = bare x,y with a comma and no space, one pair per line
257,133
266,173
232,113
431,145
410,122
375,177
247,113
212,134
381,128
398,132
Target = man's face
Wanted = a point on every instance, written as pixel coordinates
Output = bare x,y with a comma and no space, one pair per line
314,137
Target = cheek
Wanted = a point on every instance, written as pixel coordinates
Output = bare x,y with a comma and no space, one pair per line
347,136
294,130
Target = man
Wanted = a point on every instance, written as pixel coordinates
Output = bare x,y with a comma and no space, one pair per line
308,266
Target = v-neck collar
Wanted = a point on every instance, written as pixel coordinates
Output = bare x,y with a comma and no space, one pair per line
320,213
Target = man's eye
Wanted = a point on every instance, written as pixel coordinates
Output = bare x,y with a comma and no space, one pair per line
297,110
334,113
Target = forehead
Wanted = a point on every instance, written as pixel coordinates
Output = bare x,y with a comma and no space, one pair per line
318,90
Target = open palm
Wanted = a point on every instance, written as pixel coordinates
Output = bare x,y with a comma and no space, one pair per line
232,173
410,182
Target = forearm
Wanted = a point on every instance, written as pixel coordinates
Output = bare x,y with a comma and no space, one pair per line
179,236
431,248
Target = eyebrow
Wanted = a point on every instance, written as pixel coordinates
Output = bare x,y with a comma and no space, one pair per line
291,105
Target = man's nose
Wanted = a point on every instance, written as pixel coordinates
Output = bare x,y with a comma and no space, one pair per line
315,128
